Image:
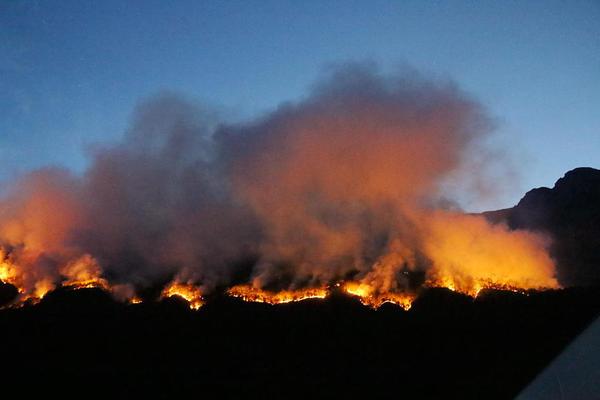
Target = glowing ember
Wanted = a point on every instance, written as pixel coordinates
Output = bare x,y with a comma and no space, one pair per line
249,293
187,291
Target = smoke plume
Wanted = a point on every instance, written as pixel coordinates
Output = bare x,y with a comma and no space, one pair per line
344,185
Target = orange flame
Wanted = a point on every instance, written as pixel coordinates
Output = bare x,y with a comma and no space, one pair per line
11,273
468,255
8,271
80,273
473,288
369,296
250,293
187,291
84,272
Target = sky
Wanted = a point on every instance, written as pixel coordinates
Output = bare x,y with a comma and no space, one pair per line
71,72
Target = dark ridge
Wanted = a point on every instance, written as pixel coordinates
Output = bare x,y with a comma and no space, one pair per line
569,214
446,346
8,293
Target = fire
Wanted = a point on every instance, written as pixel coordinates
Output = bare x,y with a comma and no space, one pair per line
366,293
370,297
41,289
192,294
80,273
250,293
349,183
468,255
8,272
474,288
84,272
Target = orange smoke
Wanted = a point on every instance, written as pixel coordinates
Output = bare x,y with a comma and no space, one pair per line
468,254
345,185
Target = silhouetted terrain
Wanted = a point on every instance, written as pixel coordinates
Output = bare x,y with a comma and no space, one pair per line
570,214
446,346
82,342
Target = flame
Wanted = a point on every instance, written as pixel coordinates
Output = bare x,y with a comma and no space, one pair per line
365,292
84,272
80,273
41,289
370,297
192,294
250,293
8,271
475,287
11,273
469,255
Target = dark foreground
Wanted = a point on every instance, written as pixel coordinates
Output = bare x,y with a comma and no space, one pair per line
446,346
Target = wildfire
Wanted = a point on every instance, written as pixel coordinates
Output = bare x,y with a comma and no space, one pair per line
365,293
250,293
84,273
8,272
469,255
187,291
369,297
80,273
474,287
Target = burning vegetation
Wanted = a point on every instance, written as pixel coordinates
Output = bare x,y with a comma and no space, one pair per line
249,293
186,291
347,189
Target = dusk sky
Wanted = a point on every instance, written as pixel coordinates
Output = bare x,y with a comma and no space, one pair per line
71,72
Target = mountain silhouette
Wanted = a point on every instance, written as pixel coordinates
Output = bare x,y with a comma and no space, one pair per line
569,213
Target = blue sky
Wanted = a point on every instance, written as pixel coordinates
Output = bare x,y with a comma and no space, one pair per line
71,72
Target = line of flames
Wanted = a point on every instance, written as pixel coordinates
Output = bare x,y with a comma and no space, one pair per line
366,293
85,272
249,293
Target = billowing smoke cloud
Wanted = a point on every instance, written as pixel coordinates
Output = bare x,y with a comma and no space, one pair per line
157,205
345,184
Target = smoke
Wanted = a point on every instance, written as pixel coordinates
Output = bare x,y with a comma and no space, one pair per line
156,203
347,183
